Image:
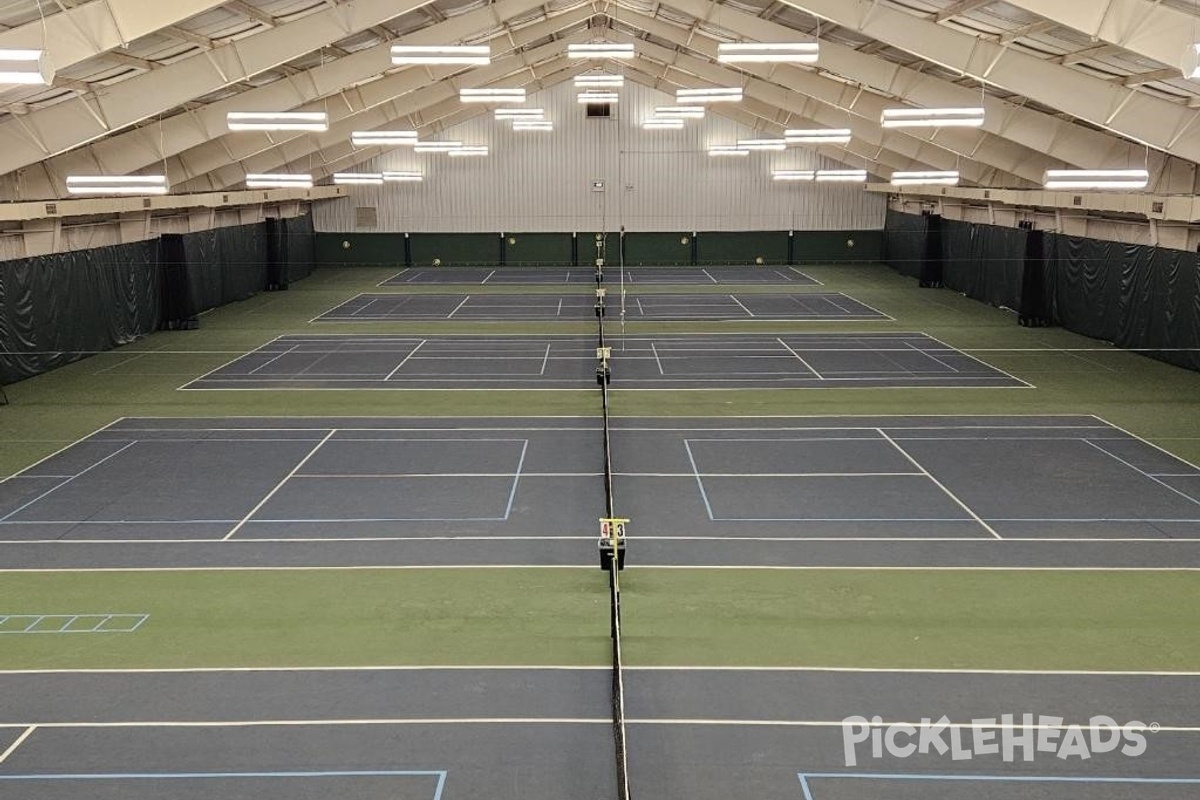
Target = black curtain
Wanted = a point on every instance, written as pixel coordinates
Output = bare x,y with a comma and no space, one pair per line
59,308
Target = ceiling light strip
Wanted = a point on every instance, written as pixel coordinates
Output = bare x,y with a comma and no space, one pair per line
469,55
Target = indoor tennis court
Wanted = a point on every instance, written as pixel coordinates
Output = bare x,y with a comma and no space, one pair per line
537,276
680,362
578,307
453,400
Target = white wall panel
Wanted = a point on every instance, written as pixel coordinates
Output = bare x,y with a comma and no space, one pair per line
654,180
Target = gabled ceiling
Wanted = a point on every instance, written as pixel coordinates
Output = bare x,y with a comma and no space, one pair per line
145,83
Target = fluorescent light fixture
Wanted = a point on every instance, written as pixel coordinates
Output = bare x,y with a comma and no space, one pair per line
403,177
597,97
719,94
727,150
25,67
358,178
117,184
1191,61
1096,179
842,175
761,144
383,138
277,121
597,81
818,136
925,178
278,180
491,95
519,113
473,55
671,123
682,112
436,147
766,52
532,125
932,117
793,174
472,150
600,50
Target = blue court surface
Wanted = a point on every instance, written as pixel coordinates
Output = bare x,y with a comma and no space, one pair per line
901,491
638,361
581,307
544,733
613,275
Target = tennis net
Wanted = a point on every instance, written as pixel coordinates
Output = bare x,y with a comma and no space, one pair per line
615,532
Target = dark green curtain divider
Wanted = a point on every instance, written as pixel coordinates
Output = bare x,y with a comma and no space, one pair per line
537,249
1087,284
225,264
60,308
984,262
298,233
904,250
741,247
1135,296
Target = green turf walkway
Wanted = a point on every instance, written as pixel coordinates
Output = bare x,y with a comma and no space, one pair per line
842,618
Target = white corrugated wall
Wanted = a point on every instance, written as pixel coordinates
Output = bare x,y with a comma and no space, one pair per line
653,180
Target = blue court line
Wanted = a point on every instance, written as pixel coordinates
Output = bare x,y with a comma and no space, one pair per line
132,776
879,776
58,486
516,478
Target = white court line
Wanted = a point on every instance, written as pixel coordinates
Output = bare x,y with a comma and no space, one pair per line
404,361
488,278
1164,484
58,486
279,485
977,360
21,472
806,365
272,360
741,305
296,723
457,307
606,720
558,312
711,278
1144,441
546,358
20,740
940,485
657,360
806,275
597,668
930,355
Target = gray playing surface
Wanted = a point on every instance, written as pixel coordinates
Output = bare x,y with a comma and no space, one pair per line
613,276
579,307
643,361
545,734
929,490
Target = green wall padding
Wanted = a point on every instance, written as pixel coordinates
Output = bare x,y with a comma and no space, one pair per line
532,249
456,249
538,249
739,248
832,247
365,249
658,248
